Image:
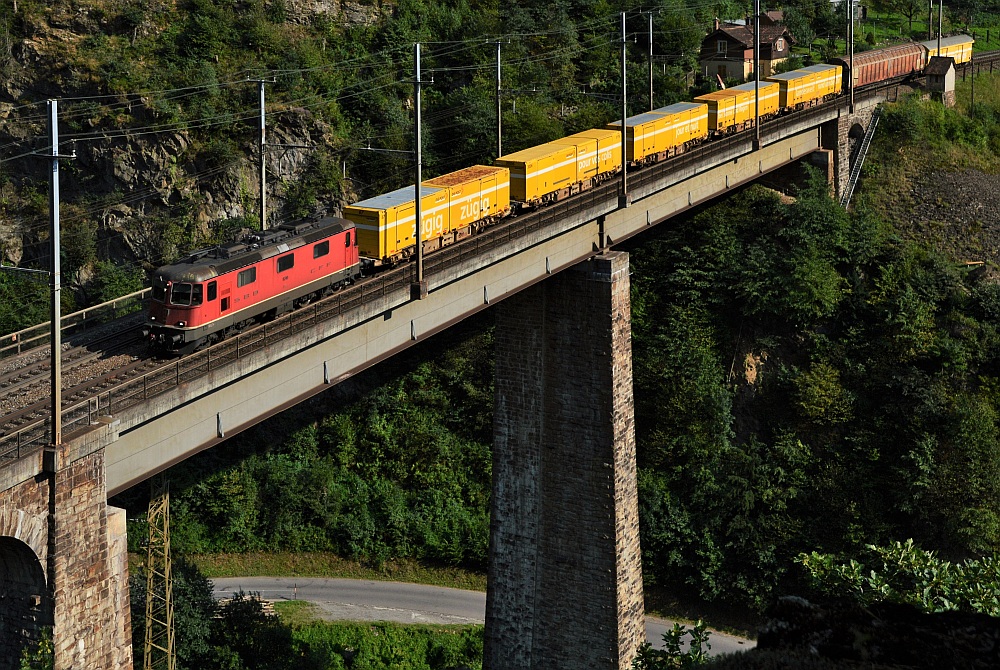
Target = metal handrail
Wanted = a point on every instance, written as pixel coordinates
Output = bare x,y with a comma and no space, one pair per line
859,161
38,335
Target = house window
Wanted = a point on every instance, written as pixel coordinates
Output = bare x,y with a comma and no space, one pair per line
721,46
780,44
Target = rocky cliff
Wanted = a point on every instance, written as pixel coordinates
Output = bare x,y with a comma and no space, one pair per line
184,156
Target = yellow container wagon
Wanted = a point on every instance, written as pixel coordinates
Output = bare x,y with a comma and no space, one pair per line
449,206
722,109
537,174
644,133
474,194
958,47
386,223
768,97
807,85
829,78
686,122
599,152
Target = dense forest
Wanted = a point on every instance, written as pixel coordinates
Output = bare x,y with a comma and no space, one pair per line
810,382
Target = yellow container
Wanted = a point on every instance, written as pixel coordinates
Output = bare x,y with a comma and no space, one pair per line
795,88
386,224
474,193
685,122
586,154
598,151
643,134
829,78
538,171
958,47
722,109
802,86
768,92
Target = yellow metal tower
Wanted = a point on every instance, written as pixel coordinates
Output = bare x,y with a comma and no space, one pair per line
159,653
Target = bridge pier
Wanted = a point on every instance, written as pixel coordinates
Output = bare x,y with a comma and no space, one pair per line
63,557
565,578
844,135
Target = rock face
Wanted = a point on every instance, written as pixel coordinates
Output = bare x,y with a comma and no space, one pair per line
961,212
125,180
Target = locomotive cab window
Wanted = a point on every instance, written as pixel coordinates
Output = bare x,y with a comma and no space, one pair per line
286,263
180,294
196,293
347,240
247,276
159,290
212,290
321,249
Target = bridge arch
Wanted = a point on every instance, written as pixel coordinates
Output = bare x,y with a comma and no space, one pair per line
25,608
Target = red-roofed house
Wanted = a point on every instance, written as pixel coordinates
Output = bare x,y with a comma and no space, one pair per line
728,50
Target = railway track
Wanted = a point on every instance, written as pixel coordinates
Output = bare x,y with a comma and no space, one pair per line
24,375
133,381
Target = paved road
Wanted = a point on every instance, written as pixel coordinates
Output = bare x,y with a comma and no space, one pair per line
362,600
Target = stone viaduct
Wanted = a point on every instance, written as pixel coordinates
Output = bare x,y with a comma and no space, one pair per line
565,581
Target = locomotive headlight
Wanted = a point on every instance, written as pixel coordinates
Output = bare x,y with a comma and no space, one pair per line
182,323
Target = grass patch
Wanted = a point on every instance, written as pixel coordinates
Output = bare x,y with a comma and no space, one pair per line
389,645
319,564
296,613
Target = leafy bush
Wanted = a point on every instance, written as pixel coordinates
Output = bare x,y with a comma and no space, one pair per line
904,573
372,646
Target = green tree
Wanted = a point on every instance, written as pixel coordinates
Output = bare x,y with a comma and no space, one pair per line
40,655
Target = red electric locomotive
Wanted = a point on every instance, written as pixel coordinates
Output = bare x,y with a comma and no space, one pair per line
215,292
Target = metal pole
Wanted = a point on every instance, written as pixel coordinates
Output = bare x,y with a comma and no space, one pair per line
499,108
263,168
940,21
56,310
623,200
651,61
419,156
930,19
756,74
850,31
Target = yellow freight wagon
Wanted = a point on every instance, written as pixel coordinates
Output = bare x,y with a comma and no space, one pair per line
643,134
722,109
586,155
540,171
474,194
599,152
807,85
829,78
768,93
958,47
685,122
795,88
386,223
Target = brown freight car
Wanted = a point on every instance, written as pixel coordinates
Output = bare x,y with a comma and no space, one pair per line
877,65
